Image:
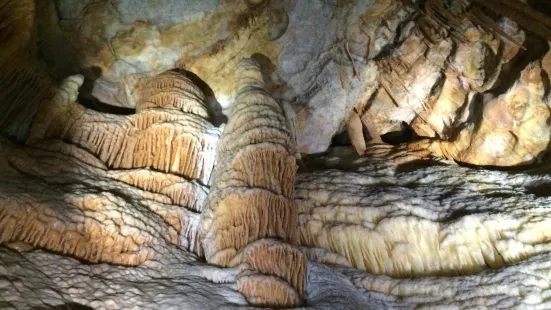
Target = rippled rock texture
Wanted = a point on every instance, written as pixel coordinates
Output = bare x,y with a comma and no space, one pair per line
481,97
178,185
366,57
117,42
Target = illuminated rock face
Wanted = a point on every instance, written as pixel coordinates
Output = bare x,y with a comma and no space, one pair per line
471,224
436,231
119,43
515,128
173,110
79,147
452,103
124,41
251,217
160,208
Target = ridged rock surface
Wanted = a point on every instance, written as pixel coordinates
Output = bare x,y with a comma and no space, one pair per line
251,217
93,158
170,132
478,88
158,207
119,42
362,64
447,226
399,203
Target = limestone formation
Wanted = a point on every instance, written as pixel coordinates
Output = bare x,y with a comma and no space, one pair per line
123,42
507,210
447,227
170,132
480,100
515,128
159,208
251,217
100,225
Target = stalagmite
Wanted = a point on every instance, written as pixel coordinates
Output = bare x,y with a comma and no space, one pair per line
156,207
251,214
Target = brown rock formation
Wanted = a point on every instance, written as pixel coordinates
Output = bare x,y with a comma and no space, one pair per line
172,109
463,68
515,128
117,211
92,145
251,202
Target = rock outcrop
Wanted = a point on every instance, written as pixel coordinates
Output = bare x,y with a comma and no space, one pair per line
160,207
482,98
251,217
505,212
75,148
447,226
171,131
120,43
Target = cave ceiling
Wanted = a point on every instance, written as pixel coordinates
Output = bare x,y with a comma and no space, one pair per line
316,154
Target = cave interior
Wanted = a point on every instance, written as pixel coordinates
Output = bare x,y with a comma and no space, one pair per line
361,154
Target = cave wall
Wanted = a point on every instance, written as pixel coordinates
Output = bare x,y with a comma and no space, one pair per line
120,186
117,42
362,66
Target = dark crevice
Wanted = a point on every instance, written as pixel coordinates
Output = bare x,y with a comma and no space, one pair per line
536,48
341,139
65,306
542,6
542,168
539,190
546,82
417,165
86,99
405,135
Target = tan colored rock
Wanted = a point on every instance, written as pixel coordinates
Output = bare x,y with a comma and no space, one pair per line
402,95
457,77
101,226
451,71
139,226
172,120
65,216
514,129
363,216
252,198
319,81
80,209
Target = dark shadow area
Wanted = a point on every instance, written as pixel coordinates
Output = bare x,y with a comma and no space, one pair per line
475,112
546,82
86,98
542,6
214,107
52,47
67,306
459,214
267,68
542,168
536,48
341,139
418,164
405,135
539,190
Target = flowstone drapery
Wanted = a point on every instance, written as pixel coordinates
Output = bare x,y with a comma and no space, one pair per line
161,209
